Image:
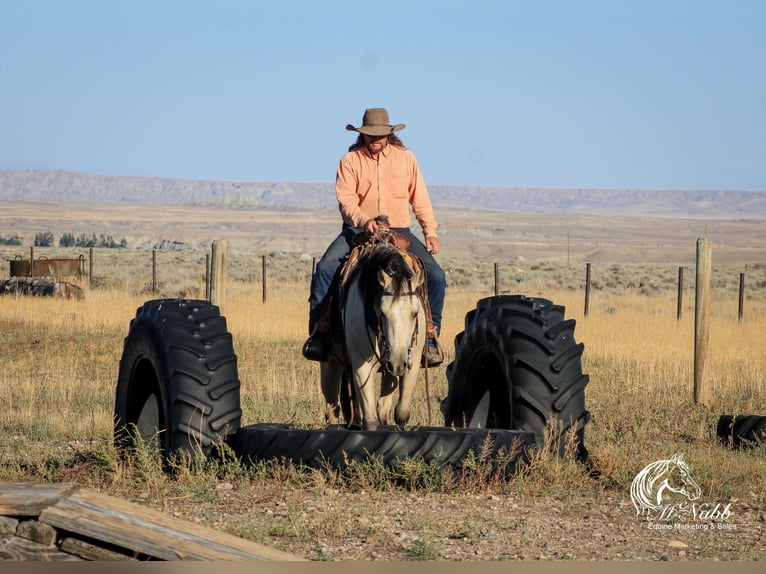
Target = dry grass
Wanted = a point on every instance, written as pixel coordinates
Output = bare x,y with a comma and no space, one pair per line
60,361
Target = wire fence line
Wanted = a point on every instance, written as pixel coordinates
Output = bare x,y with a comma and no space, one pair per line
269,270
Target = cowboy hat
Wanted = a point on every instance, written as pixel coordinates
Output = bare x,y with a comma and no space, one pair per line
375,123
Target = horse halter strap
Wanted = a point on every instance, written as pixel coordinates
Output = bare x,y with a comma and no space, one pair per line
382,344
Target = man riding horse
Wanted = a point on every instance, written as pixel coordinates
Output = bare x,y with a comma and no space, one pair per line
378,176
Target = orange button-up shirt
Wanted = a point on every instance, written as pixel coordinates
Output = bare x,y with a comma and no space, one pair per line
367,187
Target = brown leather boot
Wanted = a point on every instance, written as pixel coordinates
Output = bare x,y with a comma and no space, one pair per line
432,353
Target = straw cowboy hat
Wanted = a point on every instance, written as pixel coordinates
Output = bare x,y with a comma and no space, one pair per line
375,123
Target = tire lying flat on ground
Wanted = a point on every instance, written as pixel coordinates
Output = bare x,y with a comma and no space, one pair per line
178,378
739,431
517,366
337,445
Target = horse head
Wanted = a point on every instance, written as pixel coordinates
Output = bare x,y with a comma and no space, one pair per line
400,311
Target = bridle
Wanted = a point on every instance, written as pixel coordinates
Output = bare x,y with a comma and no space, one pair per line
382,342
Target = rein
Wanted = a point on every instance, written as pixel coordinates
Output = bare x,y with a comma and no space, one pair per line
381,339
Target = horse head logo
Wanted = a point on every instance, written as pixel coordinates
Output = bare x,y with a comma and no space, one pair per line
661,484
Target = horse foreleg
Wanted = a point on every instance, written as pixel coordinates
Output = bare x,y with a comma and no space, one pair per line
364,385
406,390
387,387
331,373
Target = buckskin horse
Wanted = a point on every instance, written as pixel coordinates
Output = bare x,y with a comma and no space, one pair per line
382,328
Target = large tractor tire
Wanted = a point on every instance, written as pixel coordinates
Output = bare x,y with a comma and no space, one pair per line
517,366
178,380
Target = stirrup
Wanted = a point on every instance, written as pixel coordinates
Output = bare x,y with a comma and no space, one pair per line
432,354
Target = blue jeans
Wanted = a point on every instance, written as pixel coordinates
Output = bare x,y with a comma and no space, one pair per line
333,258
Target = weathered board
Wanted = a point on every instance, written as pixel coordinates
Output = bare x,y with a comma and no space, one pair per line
20,549
24,499
92,525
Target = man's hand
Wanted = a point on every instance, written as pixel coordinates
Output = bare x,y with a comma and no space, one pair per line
432,245
371,226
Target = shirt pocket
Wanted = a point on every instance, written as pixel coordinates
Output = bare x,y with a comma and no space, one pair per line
400,184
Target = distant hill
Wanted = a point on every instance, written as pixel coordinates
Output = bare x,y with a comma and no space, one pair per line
27,185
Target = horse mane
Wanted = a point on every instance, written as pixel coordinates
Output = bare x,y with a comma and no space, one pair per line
390,260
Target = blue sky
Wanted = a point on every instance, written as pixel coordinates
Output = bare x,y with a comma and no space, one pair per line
610,94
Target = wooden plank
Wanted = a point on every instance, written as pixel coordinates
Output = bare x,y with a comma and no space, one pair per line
88,551
16,548
150,532
29,499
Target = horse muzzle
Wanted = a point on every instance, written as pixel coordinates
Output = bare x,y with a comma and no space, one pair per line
397,368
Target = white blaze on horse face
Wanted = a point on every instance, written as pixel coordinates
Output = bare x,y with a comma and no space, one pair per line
399,318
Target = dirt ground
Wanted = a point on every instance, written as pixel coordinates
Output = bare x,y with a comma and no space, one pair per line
330,525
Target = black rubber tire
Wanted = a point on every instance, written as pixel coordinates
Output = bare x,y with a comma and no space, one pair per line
739,431
178,378
523,353
337,446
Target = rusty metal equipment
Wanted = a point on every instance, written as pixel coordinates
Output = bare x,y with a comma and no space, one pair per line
44,267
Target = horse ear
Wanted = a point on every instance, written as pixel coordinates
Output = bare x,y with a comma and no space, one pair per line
384,278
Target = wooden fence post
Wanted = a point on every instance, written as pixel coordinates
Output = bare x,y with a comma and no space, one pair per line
218,272
702,320
90,268
31,261
587,287
497,276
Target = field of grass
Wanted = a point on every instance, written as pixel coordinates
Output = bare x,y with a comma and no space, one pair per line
60,360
